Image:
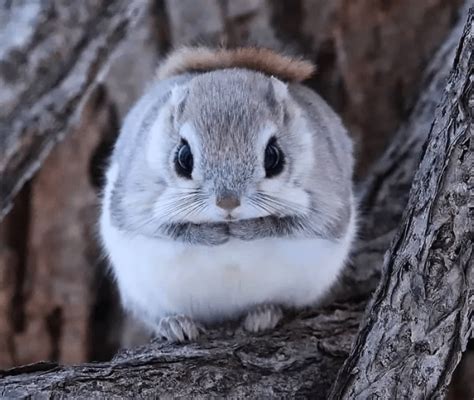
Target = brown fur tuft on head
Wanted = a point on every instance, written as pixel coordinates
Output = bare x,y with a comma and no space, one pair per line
204,59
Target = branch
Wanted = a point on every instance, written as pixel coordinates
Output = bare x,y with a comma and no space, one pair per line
419,320
50,55
224,364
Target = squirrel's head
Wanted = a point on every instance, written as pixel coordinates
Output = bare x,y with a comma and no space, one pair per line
230,144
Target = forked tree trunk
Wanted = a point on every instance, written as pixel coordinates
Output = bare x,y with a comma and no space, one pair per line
411,336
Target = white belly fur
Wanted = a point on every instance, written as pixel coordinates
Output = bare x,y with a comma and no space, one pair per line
162,277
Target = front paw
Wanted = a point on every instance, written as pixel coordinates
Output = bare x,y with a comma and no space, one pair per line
213,234
178,328
245,229
263,318
199,234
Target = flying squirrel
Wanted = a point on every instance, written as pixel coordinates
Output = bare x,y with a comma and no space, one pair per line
228,194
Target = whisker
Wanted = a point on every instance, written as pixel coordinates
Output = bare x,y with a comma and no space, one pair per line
279,206
192,209
259,206
285,205
182,206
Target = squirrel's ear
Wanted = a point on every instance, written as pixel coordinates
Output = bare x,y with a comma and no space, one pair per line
279,88
178,99
277,96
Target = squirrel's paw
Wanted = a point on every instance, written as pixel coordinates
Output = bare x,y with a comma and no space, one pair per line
263,318
178,328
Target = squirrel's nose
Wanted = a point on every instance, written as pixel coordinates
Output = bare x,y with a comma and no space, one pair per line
228,201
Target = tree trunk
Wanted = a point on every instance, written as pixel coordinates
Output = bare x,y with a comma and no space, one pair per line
51,283
415,327
50,55
420,318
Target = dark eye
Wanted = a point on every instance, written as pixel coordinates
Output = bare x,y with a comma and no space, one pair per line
184,160
274,159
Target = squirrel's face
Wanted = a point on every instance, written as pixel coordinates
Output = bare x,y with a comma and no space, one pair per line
229,146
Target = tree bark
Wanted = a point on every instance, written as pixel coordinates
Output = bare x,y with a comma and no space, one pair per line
420,318
302,357
51,53
384,193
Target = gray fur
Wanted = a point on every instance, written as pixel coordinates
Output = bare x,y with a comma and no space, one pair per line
228,109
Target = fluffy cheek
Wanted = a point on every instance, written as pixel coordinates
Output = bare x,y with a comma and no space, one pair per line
160,144
295,197
177,206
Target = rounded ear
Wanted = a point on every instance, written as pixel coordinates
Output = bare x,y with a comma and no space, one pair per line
280,89
277,97
178,99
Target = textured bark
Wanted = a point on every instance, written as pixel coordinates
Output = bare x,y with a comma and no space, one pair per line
301,358
462,386
56,301
12,276
420,317
56,313
8,265
50,55
384,193
75,316
225,364
379,64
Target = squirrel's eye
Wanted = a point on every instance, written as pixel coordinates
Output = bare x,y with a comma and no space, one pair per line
184,160
274,159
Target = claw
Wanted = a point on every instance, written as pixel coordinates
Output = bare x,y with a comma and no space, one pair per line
262,318
178,328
